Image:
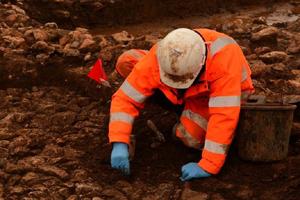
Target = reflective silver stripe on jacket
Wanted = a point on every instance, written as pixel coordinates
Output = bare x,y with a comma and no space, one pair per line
244,73
215,147
224,101
219,43
131,92
121,116
192,142
198,119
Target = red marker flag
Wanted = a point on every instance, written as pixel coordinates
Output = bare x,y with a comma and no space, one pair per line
98,74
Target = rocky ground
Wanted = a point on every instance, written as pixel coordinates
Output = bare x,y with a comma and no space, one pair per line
53,146
53,120
70,13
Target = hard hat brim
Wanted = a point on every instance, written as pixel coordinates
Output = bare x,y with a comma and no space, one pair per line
179,82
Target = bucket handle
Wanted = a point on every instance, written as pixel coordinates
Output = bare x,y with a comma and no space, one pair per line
256,99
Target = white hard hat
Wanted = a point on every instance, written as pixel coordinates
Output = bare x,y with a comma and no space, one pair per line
181,56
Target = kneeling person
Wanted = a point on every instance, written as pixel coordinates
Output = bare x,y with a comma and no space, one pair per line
203,70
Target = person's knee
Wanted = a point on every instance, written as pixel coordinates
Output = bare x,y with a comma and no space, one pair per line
188,140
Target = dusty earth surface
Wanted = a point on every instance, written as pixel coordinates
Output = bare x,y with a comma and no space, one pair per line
53,120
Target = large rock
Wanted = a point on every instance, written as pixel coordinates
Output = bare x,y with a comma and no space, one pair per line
53,170
31,178
79,175
281,71
239,27
122,37
88,57
32,161
296,72
42,58
294,26
75,44
262,50
87,43
83,188
103,41
11,18
28,35
52,25
269,33
12,168
259,68
291,99
294,85
64,40
68,51
40,35
42,46
13,42
294,48
274,57
260,20
18,10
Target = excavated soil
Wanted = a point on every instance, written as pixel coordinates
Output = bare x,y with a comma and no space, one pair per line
115,12
54,146
53,120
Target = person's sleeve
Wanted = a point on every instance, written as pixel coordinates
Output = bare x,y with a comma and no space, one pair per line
130,98
224,107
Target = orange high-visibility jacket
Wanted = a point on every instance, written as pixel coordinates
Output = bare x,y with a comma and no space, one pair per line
225,82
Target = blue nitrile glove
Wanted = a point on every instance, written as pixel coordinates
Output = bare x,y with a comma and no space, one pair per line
192,170
120,157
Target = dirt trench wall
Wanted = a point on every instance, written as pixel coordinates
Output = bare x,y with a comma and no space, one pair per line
74,13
